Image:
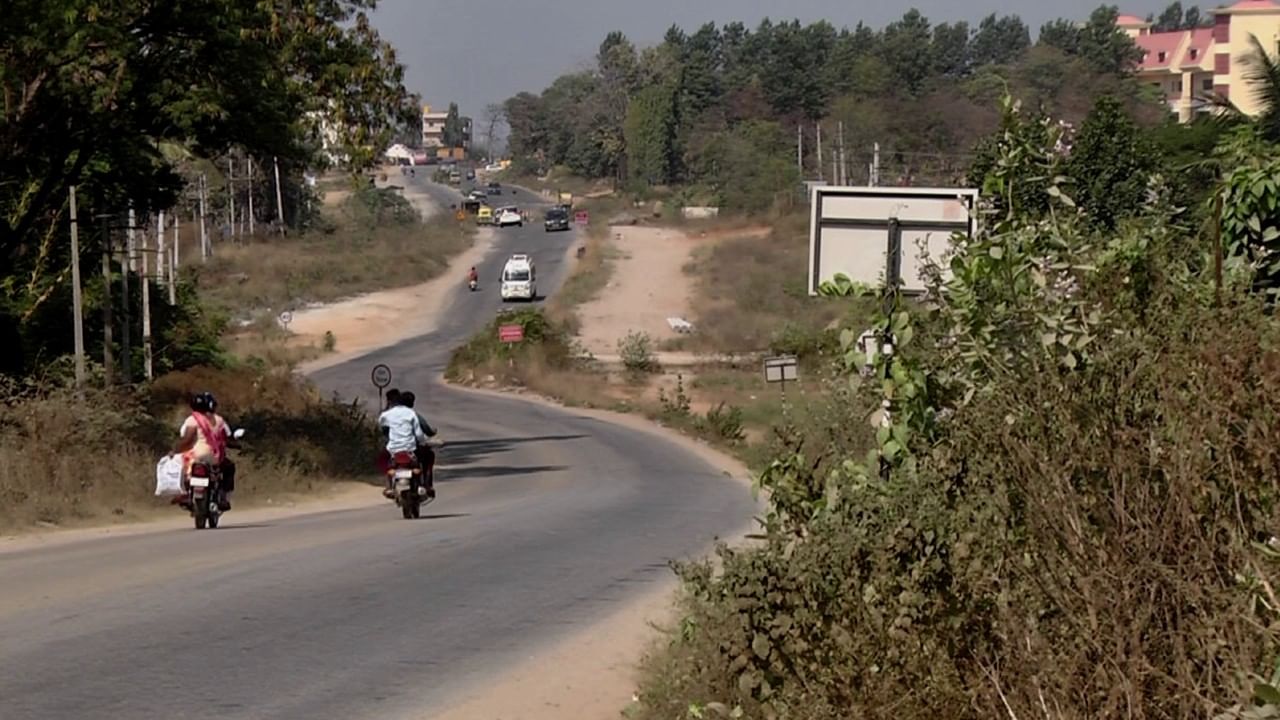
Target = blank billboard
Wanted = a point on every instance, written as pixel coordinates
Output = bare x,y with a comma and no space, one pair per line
849,230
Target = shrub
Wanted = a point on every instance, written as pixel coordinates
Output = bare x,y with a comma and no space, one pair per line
675,408
724,422
636,351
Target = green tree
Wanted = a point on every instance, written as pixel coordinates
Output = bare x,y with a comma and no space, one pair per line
1170,19
1111,164
453,129
749,167
1262,72
650,135
1061,34
903,44
792,71
1105,45
999,40
950,50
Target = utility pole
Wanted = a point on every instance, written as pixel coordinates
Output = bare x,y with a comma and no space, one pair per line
818,129
146,305
108,364
231,195
844,163
204,231
162,251
173,262
249,169
875,165
77,302
800,149
279,195
126,351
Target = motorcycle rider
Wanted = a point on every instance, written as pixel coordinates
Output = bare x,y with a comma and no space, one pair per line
203,438
426,456
402,430
473,277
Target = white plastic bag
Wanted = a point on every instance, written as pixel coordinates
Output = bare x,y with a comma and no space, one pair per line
169,476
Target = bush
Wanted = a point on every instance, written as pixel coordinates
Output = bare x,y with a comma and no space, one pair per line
636,351
546,344
677,407
724,423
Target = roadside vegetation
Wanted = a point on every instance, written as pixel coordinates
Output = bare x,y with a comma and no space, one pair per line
149,122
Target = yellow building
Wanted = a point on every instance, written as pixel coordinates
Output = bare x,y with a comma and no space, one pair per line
1190,66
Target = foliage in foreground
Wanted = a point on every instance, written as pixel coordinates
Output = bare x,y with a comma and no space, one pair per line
1071,512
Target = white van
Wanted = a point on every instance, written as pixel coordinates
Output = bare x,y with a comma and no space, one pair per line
519,279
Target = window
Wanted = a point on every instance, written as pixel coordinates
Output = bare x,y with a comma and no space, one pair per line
1194,53
1222,64
1206,85
1222,28
1177,86
1224,91
1160,56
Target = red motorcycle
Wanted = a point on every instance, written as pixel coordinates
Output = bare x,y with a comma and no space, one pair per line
405,484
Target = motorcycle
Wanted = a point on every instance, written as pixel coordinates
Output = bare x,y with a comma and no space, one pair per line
473,284
406,485
206,500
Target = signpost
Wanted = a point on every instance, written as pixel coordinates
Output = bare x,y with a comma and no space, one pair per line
581,217
286,317
381,377
510,333
781,369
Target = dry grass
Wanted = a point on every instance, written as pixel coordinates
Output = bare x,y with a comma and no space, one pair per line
284,273
66,461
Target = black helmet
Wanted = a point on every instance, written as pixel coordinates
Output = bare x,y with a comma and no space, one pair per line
203,402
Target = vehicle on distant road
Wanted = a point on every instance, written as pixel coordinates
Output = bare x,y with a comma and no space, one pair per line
519,279
557,219
495,188
507,216
484,216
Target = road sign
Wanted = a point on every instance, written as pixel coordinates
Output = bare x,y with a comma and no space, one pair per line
781,369
581,217
460,215
510,333
381,376
286,317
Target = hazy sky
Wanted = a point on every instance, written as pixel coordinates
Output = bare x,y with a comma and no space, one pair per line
475,52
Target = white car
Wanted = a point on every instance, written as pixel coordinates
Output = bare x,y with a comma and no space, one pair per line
508,216
519,279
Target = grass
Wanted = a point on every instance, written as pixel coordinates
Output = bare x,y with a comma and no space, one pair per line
283,273
68,461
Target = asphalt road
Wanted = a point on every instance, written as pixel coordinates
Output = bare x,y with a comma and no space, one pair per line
547,520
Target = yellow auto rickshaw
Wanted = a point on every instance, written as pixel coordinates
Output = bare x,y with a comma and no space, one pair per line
484,216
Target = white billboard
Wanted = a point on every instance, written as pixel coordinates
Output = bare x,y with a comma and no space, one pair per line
849,230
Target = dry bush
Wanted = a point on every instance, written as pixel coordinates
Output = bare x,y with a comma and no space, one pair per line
1079,545
69,460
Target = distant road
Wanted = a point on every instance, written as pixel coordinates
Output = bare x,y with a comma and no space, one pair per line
547,520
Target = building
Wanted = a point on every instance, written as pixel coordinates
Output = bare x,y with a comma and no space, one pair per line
1192,66
433,129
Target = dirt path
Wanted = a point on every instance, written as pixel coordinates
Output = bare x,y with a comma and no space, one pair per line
648,286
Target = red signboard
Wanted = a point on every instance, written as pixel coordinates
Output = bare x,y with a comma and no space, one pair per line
580,217
510,333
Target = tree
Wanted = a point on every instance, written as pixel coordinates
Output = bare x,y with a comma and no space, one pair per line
851,47
1262,71
902,45
453,130
1111,164
1171,19
792,71
1061,34
999,40
650,135
495,116
950,51
1106,46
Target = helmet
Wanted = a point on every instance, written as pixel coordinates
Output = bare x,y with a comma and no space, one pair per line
203,402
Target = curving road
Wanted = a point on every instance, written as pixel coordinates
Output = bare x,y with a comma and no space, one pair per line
547,520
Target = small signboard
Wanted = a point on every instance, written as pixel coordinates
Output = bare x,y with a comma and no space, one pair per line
510,333
581,217
286,317
781,369
381,376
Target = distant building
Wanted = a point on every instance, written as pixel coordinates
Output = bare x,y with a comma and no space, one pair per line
1191,66
433,129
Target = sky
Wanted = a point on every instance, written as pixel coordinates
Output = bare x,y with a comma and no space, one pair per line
476,52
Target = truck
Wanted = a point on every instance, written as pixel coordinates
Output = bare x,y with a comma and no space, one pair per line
566,199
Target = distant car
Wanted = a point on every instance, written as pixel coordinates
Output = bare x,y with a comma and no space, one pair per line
471,174
507,216
495,189
478,195
557,219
